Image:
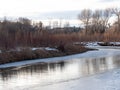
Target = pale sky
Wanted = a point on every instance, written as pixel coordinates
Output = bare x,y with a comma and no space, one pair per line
24,8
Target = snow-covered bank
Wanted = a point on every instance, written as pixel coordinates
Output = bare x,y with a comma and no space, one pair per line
102,52
45,48
18,49
104,81
98,43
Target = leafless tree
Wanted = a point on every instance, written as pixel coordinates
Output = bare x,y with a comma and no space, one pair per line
116,11
40,26
107,13
100,20
25,21
85,17
96,20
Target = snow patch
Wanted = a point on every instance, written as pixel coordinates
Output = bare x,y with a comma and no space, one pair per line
37,48
96,43
45,48
87,43
50,49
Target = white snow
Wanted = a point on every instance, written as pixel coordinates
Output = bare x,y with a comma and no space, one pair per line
44,48
50,49
18,49
96,43
36,48
90,43
115,43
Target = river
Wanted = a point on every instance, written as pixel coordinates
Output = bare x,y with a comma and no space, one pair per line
63,69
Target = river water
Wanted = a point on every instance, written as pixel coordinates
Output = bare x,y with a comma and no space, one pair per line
48,73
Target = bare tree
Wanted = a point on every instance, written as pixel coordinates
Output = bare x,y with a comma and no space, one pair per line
85,17
96,20
100,20
40,25
107,13
116,11
25,21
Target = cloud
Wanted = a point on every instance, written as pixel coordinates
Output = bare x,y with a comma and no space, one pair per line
67,15
33,7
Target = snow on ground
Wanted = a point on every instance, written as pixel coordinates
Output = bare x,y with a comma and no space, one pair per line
90,43
49,49
45,48
96,43
18,49
115,43
36,48
104,81
87,43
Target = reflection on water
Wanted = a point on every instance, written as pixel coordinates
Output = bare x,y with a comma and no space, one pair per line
54,72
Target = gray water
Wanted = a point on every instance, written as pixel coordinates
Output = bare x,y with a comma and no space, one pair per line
47,73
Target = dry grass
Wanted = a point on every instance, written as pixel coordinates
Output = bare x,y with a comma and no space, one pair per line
27,54
74,49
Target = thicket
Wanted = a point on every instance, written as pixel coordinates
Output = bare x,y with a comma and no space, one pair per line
23,33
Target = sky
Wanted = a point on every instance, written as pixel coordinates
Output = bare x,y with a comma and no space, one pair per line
44,9
33,7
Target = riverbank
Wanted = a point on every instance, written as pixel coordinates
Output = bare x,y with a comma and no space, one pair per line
30,54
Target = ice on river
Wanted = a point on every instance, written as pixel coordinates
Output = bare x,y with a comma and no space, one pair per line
104,81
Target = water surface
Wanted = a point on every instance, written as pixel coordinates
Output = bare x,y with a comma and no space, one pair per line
47,73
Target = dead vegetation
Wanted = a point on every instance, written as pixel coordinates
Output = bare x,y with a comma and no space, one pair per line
27,54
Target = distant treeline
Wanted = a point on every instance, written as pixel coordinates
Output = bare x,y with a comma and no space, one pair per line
24,33
97,21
